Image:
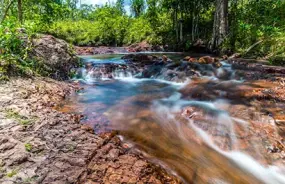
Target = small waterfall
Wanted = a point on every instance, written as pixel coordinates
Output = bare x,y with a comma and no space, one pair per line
105,72
97,69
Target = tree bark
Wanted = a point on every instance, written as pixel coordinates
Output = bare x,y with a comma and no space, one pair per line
233,28
220,28
20,12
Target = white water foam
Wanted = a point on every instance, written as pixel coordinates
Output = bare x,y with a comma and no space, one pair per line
267,174
244,161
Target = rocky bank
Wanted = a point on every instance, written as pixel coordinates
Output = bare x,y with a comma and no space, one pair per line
39,144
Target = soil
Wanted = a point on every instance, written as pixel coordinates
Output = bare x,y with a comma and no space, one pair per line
41,145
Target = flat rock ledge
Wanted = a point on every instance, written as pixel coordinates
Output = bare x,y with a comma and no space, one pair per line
41,145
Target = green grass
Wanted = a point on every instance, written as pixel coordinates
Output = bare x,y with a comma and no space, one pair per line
28,147
23,120
11,173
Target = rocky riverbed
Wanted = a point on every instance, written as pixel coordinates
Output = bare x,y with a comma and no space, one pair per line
224,109
42,145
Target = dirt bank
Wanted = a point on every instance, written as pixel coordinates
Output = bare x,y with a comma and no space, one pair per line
41,145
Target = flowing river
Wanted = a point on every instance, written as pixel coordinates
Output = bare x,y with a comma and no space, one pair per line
193,125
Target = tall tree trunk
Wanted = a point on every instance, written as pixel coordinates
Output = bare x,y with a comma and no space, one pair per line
20,11
233,25
220,28
181,30
176,25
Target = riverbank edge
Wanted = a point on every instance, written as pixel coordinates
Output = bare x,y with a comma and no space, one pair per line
42,145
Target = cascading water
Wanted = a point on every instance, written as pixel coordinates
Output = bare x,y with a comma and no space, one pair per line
184,116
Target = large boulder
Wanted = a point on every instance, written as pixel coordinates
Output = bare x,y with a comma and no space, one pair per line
56,55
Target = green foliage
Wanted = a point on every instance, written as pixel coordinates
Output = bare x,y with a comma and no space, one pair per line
14,48
108,27
256,27
137,7
28,147
138,31
23,120
120,6
259,30
12,173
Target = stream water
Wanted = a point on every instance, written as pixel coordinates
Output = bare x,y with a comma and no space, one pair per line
189,126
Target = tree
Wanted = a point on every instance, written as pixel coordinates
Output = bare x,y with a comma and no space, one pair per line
137,7
120,6
20,11
72,4
220,27
152,13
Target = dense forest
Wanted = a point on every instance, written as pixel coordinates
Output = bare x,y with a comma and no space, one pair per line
254,28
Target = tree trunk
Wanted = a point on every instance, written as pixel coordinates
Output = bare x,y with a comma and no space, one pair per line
220,28
20,12
233,25
193,27
176,26
181,30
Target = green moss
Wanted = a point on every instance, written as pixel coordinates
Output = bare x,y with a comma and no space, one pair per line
11,173
28,147
30,179
4,78
13,114
23,120
2,170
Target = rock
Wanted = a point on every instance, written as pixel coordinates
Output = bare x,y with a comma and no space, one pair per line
87,128
234,56
210,60
190,59
225,57
139,47
56,55
18,158
114,153
187,58
193,60
164,58
207,60
217,64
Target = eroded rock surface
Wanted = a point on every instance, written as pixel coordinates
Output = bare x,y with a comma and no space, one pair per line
41,145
